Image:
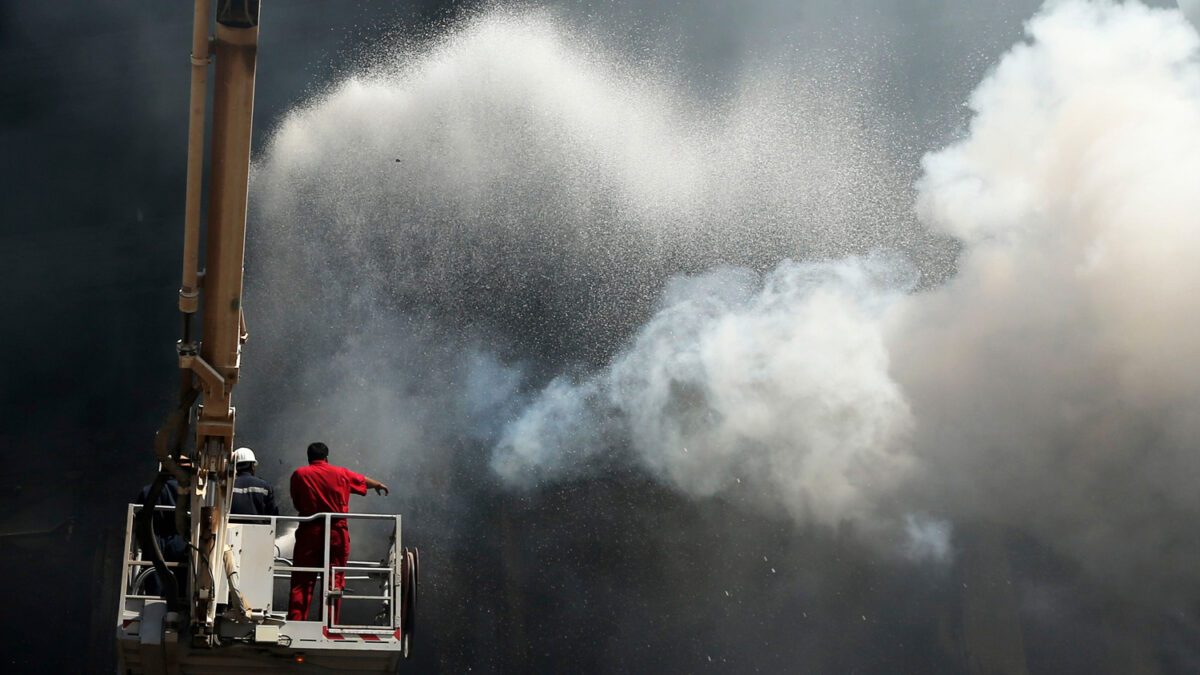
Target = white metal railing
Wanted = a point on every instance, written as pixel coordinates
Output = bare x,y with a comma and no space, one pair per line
132,560
388,569
365,569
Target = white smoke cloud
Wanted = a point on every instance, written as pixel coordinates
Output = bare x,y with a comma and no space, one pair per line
781,382
1053,378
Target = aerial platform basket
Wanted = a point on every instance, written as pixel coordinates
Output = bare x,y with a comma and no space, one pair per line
378,606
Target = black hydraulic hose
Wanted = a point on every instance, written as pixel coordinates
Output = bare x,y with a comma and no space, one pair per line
149,543
186,329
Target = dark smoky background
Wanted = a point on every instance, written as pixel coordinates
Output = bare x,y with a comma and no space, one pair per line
411,354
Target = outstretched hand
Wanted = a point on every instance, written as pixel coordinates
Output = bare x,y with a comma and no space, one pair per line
375,485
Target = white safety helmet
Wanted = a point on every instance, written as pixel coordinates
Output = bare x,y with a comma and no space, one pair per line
243,455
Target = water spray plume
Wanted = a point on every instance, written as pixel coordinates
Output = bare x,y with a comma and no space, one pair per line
553,261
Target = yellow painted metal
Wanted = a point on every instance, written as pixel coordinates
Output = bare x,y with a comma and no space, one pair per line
235,50
189,290
233,108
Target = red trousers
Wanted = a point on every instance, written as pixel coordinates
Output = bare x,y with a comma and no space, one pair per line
310,552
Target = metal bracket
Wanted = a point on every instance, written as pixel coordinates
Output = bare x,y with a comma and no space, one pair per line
213,381
217,428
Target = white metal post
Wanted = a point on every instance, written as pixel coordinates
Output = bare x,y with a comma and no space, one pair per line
325,618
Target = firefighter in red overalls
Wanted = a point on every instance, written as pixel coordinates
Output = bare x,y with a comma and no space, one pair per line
321,487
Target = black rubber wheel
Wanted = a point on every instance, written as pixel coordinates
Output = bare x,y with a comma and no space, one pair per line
409,573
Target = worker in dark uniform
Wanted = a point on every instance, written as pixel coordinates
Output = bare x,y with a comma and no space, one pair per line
322,487
170,541
252,495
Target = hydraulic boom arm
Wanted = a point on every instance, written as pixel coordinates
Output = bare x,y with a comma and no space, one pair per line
211,365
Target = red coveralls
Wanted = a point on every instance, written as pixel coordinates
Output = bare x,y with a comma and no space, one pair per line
321,487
